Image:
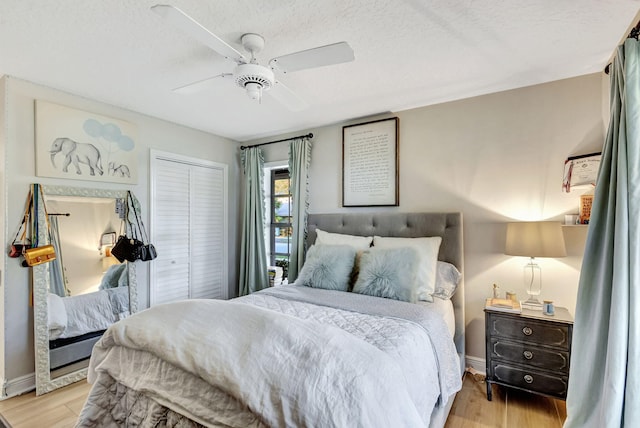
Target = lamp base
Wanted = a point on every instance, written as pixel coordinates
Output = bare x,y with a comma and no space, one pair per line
532,304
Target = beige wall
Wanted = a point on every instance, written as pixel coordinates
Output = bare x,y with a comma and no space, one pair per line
495,158
17,112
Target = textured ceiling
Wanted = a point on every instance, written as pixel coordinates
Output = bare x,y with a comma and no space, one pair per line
409,53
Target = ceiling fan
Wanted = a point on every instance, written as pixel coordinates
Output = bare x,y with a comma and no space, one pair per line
253,77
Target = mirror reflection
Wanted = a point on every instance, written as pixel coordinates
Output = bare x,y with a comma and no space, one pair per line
83,231
85,289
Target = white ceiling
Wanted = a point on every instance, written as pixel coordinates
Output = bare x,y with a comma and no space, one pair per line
409,53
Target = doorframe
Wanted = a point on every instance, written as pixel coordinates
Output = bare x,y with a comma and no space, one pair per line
158,155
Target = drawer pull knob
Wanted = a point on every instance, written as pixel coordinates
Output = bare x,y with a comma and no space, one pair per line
527,331
528,355
528,378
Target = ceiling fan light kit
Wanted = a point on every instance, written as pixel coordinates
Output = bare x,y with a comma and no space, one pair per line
250,75
253,77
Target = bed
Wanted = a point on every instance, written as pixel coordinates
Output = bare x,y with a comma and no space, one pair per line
290,356
76,323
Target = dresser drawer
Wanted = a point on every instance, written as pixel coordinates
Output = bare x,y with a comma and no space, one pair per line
529,330
530,379
530,355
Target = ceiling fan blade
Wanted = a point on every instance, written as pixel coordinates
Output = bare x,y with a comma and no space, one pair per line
285,96
190,26
200,85
316,57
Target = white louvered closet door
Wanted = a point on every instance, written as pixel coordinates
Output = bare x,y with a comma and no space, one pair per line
189,205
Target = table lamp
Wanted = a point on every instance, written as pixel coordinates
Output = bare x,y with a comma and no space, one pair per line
534,239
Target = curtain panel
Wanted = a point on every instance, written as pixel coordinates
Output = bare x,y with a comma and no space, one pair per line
299,163
56,270
604,384
253,256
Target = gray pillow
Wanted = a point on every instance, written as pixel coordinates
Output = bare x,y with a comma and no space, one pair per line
327,266
389,273
447,280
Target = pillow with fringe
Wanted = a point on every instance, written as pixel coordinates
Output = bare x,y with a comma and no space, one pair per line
389,273
327,266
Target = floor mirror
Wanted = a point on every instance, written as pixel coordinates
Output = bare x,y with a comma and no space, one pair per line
78,295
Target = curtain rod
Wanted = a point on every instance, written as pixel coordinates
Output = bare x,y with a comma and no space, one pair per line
635,32
309,135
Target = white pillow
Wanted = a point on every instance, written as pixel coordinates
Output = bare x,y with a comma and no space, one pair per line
357,242
428,249
57,316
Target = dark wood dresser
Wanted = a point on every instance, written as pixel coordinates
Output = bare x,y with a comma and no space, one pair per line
529,351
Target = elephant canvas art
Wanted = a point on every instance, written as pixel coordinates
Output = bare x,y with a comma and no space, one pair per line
79,145
76,153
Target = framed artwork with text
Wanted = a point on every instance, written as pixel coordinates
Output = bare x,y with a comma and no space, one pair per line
370,164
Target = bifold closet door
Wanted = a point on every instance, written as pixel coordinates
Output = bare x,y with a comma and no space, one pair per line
188,203
208,249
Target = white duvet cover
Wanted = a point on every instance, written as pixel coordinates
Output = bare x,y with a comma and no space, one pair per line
276,359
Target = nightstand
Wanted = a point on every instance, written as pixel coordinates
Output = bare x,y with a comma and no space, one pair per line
529,351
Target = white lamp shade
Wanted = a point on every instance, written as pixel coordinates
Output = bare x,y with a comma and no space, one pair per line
535,239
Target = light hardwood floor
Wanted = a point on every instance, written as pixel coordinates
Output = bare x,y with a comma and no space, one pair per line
57,409
509,408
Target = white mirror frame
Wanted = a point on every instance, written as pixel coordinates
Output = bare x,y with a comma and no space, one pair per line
41,279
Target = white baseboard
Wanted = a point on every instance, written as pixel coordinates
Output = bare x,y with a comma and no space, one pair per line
478,364
19,386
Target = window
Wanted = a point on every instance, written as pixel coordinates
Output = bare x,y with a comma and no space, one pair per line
280,219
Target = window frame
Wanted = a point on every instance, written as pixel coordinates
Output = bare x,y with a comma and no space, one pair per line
277,174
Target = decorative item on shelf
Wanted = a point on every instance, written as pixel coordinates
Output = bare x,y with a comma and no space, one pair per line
534,239
581,172
548,308
586,201
571,219
503,305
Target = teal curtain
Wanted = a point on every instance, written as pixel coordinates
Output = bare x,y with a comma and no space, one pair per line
58,280
253,252
299,163
604,384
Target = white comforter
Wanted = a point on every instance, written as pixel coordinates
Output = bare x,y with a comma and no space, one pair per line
281,363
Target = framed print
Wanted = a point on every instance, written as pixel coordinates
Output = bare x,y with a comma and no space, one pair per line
581,172
370,164
80,145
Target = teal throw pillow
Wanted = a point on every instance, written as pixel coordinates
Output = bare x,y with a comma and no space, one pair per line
327,266
389,273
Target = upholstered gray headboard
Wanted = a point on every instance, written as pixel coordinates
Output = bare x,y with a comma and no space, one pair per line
406,225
